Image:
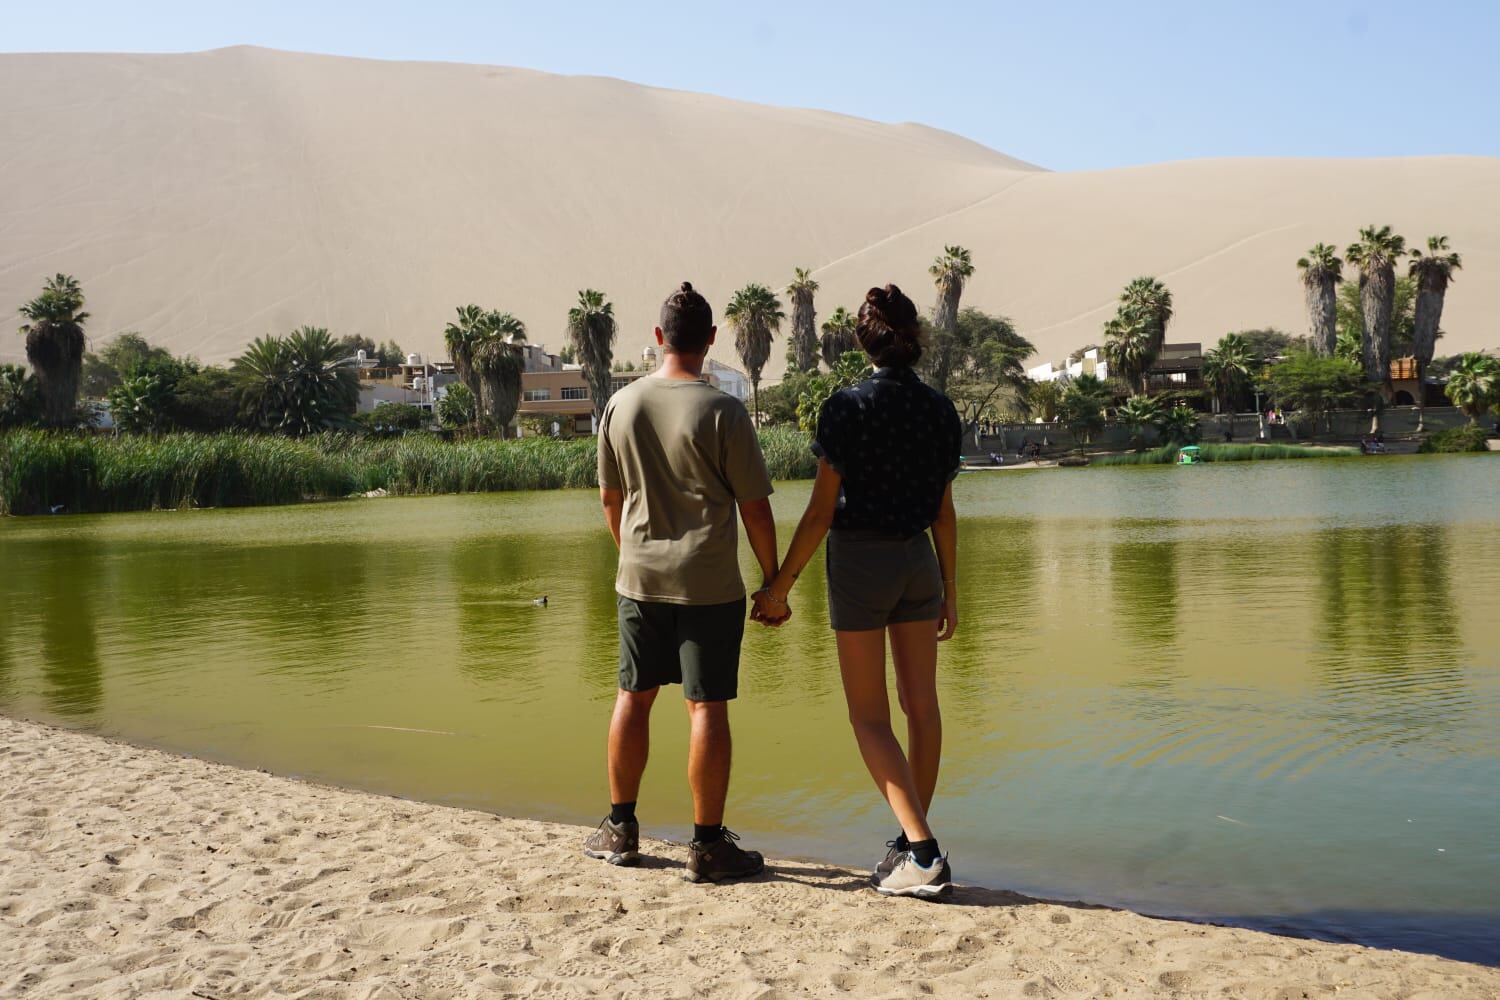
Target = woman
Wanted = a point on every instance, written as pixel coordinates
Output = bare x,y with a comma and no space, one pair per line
888,450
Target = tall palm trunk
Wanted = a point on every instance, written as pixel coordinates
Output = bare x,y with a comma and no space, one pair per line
945,334
1429,315
499,369
804,329
55,350
1323,314
1431,292
1377,294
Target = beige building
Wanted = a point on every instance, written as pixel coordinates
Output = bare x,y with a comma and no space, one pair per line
551,388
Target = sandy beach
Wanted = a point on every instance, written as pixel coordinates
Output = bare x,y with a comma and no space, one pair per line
132,872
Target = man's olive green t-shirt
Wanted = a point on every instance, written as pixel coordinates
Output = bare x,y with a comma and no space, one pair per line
683,453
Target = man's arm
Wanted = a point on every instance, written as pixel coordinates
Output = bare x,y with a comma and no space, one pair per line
613,502
760,528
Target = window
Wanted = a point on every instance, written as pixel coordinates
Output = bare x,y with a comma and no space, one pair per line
1179,377
575,392
616,384
536,395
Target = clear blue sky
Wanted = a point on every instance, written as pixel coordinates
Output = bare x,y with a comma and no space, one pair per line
1068,85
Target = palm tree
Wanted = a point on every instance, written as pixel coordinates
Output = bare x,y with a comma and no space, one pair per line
1138,413
1227,370
1474,384
1082,406
838,336
498,364
260,381
462,337
591,330
18,397
1432,272
949,273
755,313
1042,399
323,384
1375,255
54,346
804,319
1321,273
296,385
1151,301
1127,348
1179,425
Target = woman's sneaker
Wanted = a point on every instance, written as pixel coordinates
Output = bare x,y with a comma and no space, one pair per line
617,843
722,859
893,850
907,878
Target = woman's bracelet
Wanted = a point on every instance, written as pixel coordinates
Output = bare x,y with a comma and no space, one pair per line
772,597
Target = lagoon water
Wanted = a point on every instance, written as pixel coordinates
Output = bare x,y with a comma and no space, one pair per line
1260,693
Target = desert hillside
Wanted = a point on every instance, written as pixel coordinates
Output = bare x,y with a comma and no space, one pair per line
205,199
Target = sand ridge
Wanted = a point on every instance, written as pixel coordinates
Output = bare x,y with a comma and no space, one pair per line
127,871
206,199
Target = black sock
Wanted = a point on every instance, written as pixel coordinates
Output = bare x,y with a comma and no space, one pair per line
621,812
707,834
926,851
902,844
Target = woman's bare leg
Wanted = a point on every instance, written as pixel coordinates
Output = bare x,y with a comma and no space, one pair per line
862,663
914,650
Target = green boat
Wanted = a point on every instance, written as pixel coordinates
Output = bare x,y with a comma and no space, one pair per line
1188,455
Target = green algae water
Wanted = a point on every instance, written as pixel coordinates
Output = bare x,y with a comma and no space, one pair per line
1262,694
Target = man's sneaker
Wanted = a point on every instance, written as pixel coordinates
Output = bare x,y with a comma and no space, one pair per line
722,859
907,878
892,852
617,843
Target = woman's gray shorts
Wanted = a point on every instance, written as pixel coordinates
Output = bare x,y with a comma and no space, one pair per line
875,580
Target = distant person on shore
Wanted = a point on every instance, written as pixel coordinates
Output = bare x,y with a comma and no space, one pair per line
676,458
888,450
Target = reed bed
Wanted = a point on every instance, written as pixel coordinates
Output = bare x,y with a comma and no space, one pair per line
40,471
1167,454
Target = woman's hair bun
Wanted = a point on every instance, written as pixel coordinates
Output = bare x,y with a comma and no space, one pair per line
889,330
687,286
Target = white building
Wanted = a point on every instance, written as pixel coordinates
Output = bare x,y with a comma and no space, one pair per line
730,380
1089,362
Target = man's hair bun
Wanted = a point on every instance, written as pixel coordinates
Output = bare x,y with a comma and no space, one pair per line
687,320
889,330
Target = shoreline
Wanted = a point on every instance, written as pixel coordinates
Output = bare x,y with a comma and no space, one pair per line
127,871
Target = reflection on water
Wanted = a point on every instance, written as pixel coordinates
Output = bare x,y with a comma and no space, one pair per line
1400,678
1267,695
67,647
1143,599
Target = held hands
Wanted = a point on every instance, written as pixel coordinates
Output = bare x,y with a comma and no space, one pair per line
769,609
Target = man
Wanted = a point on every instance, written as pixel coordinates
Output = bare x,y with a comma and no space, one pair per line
676,458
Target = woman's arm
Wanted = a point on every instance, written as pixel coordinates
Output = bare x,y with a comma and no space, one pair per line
816,521
945,541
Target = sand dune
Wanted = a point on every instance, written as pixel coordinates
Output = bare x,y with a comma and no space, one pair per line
131,872
206,199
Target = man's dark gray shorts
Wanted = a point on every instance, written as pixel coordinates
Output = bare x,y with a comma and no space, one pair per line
695,645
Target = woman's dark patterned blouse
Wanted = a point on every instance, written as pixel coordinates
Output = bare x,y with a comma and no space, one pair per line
897,443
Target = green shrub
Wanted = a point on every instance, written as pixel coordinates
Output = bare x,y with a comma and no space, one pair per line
89,474
1167,455
1456,439
788,453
